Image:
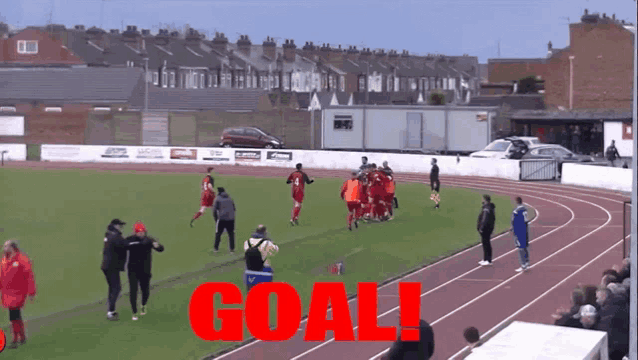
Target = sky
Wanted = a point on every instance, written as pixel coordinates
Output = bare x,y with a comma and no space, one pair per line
518,28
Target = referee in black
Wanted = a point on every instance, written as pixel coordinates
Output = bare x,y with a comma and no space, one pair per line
113,262
224,214
140,247
435,184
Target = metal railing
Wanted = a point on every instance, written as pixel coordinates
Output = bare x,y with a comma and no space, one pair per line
538,170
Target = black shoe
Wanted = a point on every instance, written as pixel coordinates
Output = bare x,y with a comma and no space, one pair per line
350,227
356,224
113,317
192,222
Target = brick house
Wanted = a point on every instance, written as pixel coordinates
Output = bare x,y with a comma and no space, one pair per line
602,49
33,47
511,70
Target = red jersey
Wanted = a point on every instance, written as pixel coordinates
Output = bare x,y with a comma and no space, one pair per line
298,179
207,185
377,178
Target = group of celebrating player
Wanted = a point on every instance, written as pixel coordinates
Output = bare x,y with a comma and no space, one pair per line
369,193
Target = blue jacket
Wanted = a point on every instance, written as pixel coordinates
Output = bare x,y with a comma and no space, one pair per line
520,227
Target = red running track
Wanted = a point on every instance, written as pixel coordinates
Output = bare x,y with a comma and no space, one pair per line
576,235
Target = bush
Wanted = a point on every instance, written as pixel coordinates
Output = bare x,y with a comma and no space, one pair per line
437,98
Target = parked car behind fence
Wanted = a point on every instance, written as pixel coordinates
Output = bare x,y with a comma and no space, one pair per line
249,137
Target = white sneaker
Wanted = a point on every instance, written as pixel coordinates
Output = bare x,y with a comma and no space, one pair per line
520,269
135,318
482,262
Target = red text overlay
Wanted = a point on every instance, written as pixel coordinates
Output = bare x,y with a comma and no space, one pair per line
256,312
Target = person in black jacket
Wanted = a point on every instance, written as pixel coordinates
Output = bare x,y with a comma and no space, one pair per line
485,227
408,350
113,262
140,247
224,214
435,184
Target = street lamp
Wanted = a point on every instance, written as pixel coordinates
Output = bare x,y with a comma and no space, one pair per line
571,81
146,85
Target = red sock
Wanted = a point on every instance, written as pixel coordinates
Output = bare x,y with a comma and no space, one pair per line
199,213
15,330
296,212
21,330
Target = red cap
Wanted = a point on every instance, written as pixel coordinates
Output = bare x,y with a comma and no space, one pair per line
139,227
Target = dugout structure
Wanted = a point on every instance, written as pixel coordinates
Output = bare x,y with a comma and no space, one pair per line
626,228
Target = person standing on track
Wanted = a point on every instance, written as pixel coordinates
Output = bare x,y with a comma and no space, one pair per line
351,193
435,184
422,349
224,213
208,194
520,229
113,262
485,227
140,247
298,179
16,283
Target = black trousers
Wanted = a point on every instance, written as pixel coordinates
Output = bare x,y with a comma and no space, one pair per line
229,226
142,280
487,245
115,286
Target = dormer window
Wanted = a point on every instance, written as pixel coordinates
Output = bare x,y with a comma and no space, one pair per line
172,82
27,47
155,78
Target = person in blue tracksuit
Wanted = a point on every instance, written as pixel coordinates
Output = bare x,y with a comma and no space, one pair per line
520,228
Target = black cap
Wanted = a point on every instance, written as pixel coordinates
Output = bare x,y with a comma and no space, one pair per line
117,222
221,190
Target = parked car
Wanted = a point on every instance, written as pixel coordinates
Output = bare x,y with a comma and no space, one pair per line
507,148
250,137
560,154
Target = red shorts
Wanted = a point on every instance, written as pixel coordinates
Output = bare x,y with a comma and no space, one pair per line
377,194
298,196
389,198
353,205
207,200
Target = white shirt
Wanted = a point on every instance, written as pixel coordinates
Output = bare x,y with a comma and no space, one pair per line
267,249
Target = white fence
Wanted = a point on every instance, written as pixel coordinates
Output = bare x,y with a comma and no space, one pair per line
14,152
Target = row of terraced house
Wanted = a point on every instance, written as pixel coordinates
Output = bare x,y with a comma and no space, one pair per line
191,61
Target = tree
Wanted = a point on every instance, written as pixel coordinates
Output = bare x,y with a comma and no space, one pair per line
527,85
437,98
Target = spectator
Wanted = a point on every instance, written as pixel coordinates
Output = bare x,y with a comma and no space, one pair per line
624,165
624,270
614,319
140,247
472,337
551,136
611,272
485,227
113,262
421,350
566,317
590,295
224,214
588,317
576,140
608,279
267,248
520,229
612,153
16,283
564,138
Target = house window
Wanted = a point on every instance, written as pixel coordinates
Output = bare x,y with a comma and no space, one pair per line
202,81
331,82
277,82
286,82
255,85
172,80
8,109
362,83
155,78
215,80
241,81
164,79
210,80
627,131
342,83
27,47
396,84
270,82
53,109
342,122
183,81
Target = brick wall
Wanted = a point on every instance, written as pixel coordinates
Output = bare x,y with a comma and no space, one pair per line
514,71
602,68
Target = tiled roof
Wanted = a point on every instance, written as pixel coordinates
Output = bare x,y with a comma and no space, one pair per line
518,61
70,85
591,115
199,99
515,102
385,98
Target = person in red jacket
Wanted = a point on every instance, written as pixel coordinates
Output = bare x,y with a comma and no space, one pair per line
16,283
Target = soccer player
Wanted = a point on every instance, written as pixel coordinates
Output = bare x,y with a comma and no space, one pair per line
363,208
435,184
377,192
208,195
389,190
351,193
298,179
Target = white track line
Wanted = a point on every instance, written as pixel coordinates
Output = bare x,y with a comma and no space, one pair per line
449,281
543,294
515,276
397,280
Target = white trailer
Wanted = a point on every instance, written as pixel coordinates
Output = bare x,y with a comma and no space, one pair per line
450,129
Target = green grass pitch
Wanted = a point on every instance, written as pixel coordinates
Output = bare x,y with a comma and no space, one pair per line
60,217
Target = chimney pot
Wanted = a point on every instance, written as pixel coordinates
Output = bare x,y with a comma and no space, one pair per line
613,16
586,12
